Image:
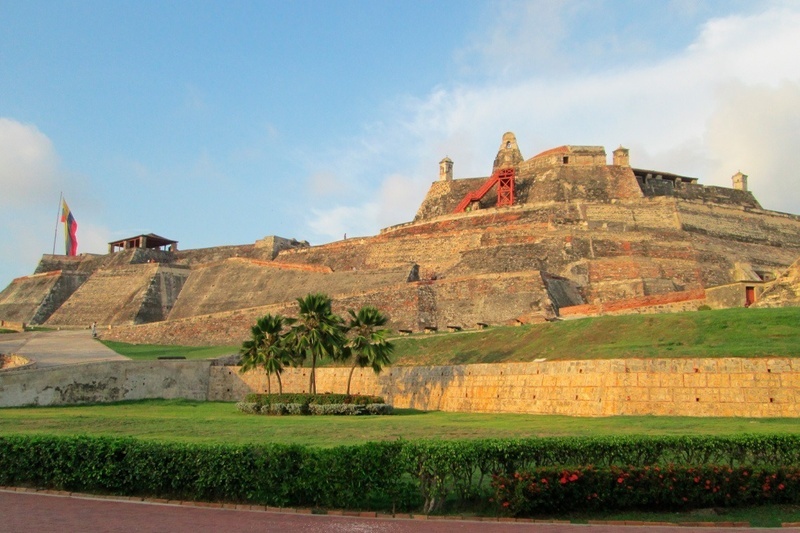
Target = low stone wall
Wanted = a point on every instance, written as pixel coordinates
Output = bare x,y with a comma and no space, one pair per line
105,382
732,387
675,387
13,361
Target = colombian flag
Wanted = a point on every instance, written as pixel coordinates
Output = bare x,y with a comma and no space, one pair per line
70,229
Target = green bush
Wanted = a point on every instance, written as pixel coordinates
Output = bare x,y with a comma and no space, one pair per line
279,409
312,399
426,475
546,490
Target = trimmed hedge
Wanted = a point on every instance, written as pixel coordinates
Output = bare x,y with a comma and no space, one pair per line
312,399
669,488
280,409
414,475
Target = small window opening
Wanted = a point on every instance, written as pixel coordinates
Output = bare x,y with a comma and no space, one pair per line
566,159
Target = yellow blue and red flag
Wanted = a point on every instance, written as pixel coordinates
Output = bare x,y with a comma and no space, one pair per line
70,229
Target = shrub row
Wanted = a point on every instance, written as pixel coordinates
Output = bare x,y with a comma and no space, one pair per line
670,488
312,399
402,474
279,409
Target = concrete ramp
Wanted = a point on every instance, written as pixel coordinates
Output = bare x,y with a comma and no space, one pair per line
33,299
124,295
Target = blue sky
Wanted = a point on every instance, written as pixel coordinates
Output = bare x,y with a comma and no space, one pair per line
217,123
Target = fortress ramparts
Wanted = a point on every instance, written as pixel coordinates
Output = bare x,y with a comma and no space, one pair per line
580,237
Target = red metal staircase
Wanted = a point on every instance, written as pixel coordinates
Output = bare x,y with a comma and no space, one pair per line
504,178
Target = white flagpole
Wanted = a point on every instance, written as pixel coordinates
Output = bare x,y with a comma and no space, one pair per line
58,220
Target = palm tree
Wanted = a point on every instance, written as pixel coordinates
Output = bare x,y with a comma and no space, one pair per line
368,344
318,333
266,348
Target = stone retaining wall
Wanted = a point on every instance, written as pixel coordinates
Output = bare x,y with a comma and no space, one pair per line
734,387
105,382
674,387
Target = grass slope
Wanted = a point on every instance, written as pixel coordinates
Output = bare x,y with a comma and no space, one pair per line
218,422
154,351
724,333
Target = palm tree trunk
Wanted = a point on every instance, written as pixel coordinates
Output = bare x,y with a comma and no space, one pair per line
269,386
350,377
280,385
312,381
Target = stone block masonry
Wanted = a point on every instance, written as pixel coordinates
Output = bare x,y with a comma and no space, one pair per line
105,382
727,387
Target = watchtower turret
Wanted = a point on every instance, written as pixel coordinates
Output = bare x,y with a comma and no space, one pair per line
508,155
446,169
622,157
739,181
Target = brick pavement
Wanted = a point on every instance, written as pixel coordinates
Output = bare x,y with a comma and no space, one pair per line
32,511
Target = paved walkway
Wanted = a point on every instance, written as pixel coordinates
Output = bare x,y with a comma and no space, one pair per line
22,512
52,348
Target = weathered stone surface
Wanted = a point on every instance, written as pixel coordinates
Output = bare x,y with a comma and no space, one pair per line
784,291
678,387
615,241
105,382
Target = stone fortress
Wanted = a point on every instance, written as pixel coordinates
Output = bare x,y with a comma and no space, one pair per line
562,234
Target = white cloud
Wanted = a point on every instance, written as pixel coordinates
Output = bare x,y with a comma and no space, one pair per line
339,221
28,164
756,130
726,101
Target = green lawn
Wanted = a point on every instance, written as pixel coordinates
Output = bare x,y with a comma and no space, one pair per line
724,333
218,422
154,351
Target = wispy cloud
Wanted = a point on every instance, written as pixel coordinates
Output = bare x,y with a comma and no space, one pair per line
727,101
28,164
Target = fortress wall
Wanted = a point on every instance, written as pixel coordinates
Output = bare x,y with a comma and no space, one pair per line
20,301
460,302
237,284
652,214
105,382
399,301
784,291
716,195
668,387
444,196
109,296
467,301
81,263
220,253
568,183
162,293
738,224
